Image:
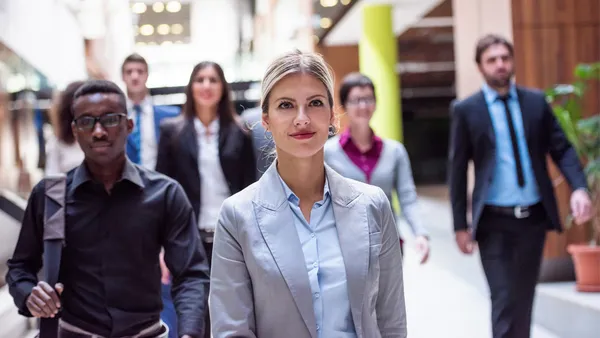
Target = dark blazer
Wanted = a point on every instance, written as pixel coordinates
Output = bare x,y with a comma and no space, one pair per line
178,156
160,113
472,138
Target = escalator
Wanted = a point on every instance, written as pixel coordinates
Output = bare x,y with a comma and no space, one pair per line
11,211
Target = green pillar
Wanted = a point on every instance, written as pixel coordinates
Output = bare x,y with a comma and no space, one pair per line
378,55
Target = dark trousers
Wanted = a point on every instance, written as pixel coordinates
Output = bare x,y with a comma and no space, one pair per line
209,248
511,252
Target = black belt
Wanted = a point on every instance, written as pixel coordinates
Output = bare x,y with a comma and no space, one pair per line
518,211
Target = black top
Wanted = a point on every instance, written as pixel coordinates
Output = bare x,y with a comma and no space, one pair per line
178,153
110,267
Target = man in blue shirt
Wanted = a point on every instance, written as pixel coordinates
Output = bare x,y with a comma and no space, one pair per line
507,131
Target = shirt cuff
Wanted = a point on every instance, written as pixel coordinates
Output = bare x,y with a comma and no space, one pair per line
23,290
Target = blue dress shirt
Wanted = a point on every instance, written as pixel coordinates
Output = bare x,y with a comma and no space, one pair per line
324,265
504,189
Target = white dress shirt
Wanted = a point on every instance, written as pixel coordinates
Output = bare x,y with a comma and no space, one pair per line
149,147
213,185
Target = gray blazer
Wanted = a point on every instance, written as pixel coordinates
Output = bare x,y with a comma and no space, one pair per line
392,172
259,285
261,139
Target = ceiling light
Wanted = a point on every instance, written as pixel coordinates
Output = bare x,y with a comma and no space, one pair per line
345,2
167,43
328,3
176,29
140,43
174,6
178,42
325,23
316,39
163,29
151,43
158,7
146,30
138,7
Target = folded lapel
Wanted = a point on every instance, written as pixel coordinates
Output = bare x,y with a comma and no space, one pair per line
189,139
485,118
524,104
353,233
276,223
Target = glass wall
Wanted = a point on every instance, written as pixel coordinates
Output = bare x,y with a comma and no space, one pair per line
24,101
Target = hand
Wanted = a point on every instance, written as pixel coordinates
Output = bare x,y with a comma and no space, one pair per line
165,277
581,206
464,241
186,336
422,244
44,302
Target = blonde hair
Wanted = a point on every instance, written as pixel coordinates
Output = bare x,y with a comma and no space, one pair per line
296,62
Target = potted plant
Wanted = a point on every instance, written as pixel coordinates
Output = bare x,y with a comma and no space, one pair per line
584,134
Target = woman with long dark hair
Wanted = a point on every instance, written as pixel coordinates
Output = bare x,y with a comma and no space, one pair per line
206,149
62,151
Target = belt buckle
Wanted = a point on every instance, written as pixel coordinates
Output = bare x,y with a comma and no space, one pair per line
521,212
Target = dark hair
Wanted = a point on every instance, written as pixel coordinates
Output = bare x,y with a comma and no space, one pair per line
135,57
225,109
489,40
102,87
351,81
64,114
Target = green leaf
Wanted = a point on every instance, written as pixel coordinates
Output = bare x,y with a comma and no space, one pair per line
586,71
573,106
566,122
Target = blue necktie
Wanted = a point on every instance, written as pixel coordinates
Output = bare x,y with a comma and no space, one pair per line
136,135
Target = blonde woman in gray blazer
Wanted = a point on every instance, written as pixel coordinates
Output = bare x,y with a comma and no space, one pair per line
359,154
305,252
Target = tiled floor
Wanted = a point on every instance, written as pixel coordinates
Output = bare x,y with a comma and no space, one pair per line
448,296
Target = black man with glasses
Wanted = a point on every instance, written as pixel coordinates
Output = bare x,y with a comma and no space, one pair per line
118,216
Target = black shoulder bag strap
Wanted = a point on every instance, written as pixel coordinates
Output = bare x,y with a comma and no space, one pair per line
54,240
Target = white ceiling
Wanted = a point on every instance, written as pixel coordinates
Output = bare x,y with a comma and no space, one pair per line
405,14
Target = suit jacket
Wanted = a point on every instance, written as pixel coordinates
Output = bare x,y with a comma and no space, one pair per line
178,156
259,283
472,138
160,113
262,140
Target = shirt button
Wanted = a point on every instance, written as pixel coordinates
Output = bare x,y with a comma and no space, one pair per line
315,265
312,235
318,328
317,295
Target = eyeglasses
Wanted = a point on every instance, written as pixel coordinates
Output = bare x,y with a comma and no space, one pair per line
366,100
106,121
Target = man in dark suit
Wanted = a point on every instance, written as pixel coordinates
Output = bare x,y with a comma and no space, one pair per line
508,131
142,143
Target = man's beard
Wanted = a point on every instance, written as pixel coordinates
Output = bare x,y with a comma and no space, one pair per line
499,81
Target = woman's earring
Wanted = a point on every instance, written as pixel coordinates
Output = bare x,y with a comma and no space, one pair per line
332,130
268,135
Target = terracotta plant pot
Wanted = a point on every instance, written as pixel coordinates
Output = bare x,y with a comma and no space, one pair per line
587,266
